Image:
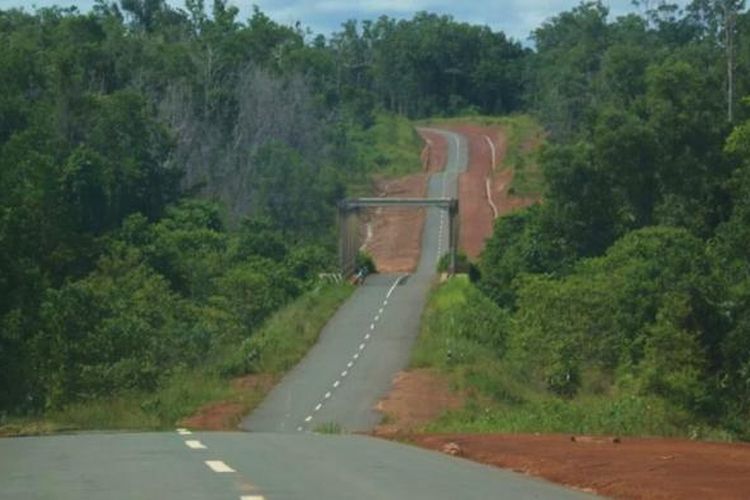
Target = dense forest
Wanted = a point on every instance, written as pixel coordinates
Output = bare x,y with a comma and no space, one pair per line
160,167
633,276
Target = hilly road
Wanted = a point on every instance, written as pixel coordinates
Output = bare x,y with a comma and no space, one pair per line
368,340
366,343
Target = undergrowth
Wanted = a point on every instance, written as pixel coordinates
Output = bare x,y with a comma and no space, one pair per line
276,347
468,338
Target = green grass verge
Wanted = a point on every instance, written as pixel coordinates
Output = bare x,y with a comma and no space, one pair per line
390,148
525,136
465,336
278,346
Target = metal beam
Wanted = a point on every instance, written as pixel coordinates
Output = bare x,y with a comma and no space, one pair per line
398,202
348,211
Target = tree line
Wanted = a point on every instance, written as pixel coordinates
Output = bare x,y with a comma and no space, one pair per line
634,273
162,167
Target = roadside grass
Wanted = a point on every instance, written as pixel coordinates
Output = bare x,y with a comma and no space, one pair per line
328,428
274,349
390,148
287,336
525,137
466,337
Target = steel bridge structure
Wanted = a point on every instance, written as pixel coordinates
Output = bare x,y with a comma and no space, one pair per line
349,225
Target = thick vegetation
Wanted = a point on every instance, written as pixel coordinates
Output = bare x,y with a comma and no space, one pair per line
630,280
168,181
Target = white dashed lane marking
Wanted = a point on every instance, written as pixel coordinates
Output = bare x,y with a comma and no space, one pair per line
196,445
219,466
252,497
183,432
362,346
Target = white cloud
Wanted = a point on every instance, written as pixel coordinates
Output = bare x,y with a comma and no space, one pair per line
517,18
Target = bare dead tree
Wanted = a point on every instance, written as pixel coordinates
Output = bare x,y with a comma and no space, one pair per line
216,151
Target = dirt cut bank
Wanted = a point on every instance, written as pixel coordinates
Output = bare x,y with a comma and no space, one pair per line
393,236
485,186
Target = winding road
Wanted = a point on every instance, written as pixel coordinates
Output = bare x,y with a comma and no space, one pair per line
337,385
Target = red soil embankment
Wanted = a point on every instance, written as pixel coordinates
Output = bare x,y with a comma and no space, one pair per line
393,236
633,468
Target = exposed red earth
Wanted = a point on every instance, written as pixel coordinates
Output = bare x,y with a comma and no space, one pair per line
417,396
631,468
476,212
394,235
225,415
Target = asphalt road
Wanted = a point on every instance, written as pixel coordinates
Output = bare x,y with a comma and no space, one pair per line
160,466
339,382
368,340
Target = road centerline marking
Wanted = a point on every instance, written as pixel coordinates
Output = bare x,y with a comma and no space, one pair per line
196,445
219,466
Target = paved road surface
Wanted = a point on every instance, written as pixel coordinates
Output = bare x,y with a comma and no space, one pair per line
368,340
160,466
346,373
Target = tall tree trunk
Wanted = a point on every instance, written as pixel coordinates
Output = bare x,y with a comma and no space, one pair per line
730,23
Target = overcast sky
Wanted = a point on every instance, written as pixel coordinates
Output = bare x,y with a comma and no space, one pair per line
517,18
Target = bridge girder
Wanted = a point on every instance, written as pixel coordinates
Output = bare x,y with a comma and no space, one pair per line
349,228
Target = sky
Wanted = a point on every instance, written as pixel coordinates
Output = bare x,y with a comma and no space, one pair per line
517,18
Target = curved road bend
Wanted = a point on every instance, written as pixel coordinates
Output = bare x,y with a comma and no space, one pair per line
283,462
